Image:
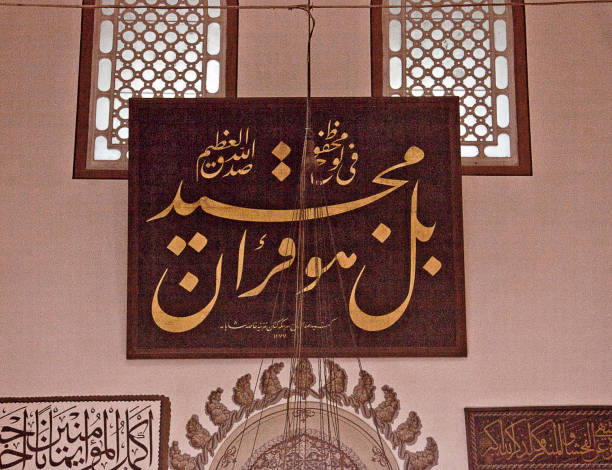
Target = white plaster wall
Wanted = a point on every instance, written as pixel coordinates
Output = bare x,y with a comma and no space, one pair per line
537,249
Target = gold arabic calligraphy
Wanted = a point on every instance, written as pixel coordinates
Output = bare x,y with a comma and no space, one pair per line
212,161
247,214
528,439
330,159
279,325
287,249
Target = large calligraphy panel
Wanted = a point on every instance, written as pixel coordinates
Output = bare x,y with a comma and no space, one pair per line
84,433
543,438
229,227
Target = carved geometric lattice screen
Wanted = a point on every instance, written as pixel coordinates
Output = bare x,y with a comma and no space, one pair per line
466,52
149,53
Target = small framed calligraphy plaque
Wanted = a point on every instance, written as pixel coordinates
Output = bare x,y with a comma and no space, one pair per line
83,433
224,213
542,438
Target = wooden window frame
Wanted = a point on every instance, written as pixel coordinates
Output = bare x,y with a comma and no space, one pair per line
521,104
80,170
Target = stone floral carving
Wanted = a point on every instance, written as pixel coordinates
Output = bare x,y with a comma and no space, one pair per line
304,378
197,435
379,457
229,457
272,392
270,385
218,412
409,430
243,395
180,461
311,450
387,410
423,459
336,382
364,390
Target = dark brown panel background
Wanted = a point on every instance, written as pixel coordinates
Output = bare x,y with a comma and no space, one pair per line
166,139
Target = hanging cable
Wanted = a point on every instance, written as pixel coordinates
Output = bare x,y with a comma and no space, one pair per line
301,6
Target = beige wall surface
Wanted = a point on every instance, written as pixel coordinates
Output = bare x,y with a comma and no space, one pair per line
537,249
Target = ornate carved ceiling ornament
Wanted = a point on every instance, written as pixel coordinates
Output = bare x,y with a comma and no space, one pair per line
334,392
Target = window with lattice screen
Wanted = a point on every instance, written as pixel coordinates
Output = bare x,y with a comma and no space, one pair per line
145,52
476,53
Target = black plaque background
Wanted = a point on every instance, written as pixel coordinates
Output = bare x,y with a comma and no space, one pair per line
166,136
